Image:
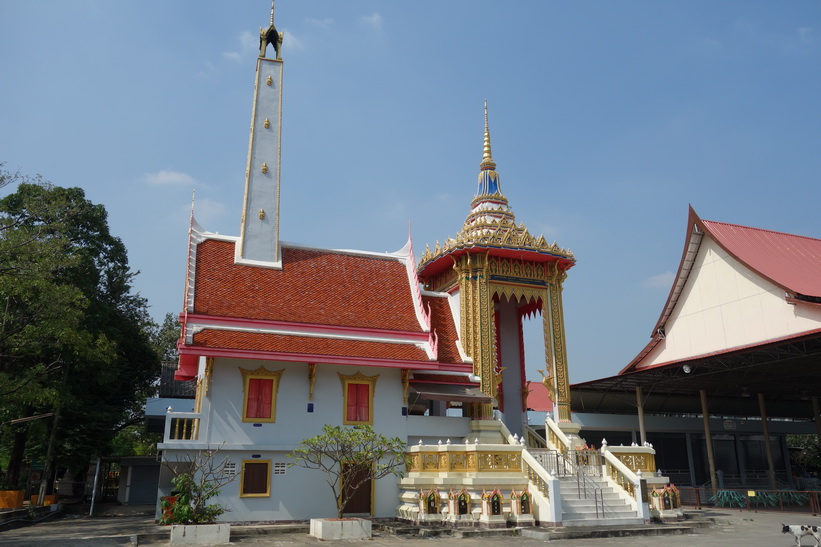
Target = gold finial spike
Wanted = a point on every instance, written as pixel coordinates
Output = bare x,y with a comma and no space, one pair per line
487,159
272,12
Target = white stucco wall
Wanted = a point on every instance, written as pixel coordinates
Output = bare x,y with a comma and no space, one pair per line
299,493
724,305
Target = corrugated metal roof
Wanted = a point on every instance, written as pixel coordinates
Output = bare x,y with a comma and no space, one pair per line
790,261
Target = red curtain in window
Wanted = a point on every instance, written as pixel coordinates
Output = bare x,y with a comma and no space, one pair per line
260,394
358,403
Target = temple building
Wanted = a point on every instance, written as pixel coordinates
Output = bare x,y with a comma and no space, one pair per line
732,363
282,339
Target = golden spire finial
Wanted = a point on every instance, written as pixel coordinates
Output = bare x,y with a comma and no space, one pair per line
270,36
487,159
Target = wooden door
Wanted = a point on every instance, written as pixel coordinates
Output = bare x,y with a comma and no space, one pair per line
360,502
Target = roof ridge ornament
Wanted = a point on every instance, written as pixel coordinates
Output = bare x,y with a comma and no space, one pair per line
270,36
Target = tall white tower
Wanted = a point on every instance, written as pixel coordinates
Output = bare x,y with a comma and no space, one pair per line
259,235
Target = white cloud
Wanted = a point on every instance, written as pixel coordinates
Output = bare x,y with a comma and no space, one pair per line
207,212
208,69
170,178
327,22
290,41
248,43
806,35
660,281
708,45
374,20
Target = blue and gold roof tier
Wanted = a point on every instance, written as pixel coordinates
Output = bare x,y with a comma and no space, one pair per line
491,227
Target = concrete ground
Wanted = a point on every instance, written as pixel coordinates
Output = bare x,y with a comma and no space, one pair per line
732,528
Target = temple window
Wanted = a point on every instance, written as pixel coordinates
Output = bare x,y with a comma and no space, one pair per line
357,390
259,388
256,479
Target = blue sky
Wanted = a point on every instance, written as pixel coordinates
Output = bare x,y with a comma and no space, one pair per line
607,120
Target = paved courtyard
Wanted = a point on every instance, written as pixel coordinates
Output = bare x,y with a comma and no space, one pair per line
733,528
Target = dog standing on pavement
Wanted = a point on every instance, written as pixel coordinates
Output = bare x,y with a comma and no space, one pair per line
799,531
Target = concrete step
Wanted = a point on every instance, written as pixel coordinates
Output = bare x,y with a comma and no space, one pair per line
547,534
575,494
615,521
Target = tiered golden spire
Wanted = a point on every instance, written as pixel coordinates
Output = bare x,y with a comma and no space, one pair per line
491,222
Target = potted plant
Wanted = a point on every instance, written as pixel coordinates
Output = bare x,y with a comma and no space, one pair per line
188,509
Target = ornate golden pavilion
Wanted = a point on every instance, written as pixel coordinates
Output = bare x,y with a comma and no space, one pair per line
493,264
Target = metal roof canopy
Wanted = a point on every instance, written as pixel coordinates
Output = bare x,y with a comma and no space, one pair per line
788,373
449,392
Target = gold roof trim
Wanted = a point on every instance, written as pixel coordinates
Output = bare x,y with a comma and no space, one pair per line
501,234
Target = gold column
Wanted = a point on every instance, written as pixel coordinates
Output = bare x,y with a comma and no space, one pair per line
478,330
558,344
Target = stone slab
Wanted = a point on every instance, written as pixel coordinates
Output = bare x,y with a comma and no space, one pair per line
182,534
346,528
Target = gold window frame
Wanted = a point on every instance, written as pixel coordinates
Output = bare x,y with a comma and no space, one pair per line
267,492
357,378
261,373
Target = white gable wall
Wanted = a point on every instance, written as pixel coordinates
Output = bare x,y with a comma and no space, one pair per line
724,305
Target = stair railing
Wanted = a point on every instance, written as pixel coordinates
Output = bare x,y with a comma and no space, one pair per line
533,438
556,439
625,480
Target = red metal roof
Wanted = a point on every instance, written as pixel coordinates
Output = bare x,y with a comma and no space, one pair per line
537,397
314,286
790,261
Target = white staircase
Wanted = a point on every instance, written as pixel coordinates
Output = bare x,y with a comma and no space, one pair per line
591,501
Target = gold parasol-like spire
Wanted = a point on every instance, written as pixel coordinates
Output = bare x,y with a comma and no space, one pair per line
487,158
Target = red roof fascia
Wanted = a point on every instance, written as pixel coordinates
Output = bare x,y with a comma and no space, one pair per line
187,367
441,379
642,354
722,352
326,359
314,286
305,328
788,261
447,260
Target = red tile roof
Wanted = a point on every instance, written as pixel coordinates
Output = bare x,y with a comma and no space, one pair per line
789,261
314,286
307,345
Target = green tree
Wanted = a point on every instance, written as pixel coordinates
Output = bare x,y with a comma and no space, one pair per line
165,336
351,457
805,453
74,339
